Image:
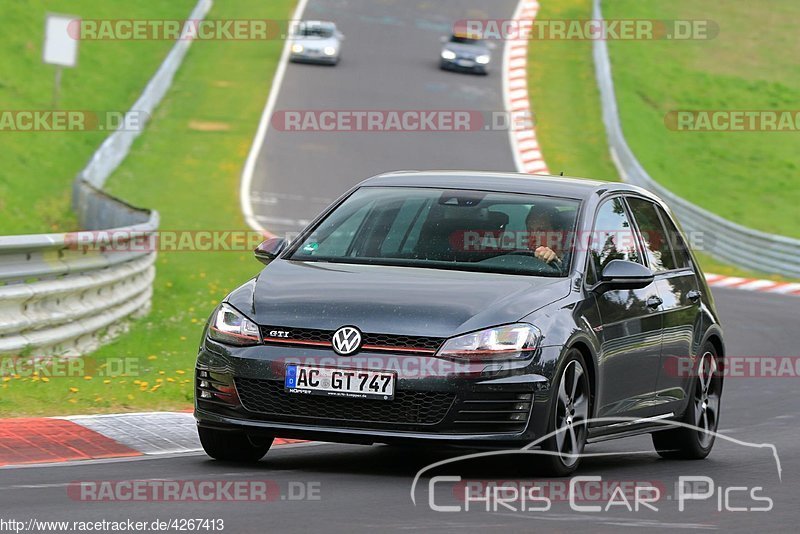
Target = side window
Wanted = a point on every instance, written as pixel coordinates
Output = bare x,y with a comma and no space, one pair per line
612,237
676,241
655,237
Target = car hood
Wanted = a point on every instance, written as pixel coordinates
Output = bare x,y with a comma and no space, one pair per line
391,300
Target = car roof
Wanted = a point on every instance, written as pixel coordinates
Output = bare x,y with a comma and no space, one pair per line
507,182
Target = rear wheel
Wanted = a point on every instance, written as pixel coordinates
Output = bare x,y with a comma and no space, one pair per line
568,418
233,446
702,414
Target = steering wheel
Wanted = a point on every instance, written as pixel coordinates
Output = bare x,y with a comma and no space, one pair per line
555,265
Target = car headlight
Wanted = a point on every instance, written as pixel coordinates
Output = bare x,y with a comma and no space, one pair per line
231,326
297,48
483,60
448,54
508,342
329,51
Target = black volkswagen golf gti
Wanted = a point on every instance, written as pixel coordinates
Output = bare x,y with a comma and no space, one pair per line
469,308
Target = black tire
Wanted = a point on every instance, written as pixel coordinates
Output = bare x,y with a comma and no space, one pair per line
702,412
569,410
233,446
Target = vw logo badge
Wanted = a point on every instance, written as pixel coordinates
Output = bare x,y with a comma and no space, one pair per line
346,340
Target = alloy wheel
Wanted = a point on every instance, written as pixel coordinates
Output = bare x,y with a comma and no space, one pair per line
706,399
572,410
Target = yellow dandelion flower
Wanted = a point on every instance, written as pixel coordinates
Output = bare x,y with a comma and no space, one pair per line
181,372
73,390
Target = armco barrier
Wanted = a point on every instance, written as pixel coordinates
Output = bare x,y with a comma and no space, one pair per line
61,294
723,239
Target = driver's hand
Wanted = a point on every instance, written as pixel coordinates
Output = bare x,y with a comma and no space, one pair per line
546,254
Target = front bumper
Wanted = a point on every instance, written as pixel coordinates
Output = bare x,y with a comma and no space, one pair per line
435,400
464,65
313,58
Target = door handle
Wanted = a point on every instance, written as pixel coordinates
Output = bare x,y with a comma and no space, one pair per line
654,301
694,295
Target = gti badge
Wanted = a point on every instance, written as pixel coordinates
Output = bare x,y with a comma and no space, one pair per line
346,340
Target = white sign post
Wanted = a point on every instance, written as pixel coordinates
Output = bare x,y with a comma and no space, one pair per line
60,46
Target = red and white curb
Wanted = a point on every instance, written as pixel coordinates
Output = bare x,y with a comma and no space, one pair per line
753,284
89,437
524,145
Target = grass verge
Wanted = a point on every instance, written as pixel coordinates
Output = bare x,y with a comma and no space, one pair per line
37,168
570,130
566,101
747,177
187,166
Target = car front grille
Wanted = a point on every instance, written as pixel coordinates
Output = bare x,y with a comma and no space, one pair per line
279,335
408,407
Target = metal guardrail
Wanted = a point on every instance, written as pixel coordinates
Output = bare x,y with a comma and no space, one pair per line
723,239
68,293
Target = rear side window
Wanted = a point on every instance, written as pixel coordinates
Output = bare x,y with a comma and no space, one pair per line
656,240
612,238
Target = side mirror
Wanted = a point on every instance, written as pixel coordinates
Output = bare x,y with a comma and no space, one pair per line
624,274
444,39
269,249
340,36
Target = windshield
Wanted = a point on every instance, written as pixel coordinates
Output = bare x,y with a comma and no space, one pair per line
314,30
446,229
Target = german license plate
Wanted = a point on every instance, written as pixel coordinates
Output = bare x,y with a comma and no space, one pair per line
466,63
338,382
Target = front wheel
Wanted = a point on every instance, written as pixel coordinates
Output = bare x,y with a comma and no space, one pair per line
232,446
568,418
702,414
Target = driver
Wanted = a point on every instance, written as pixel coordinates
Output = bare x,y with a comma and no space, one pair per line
544,238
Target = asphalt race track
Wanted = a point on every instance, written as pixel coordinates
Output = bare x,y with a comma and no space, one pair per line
390,62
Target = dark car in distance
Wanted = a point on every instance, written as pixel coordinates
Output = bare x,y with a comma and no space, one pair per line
465,54
473,309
